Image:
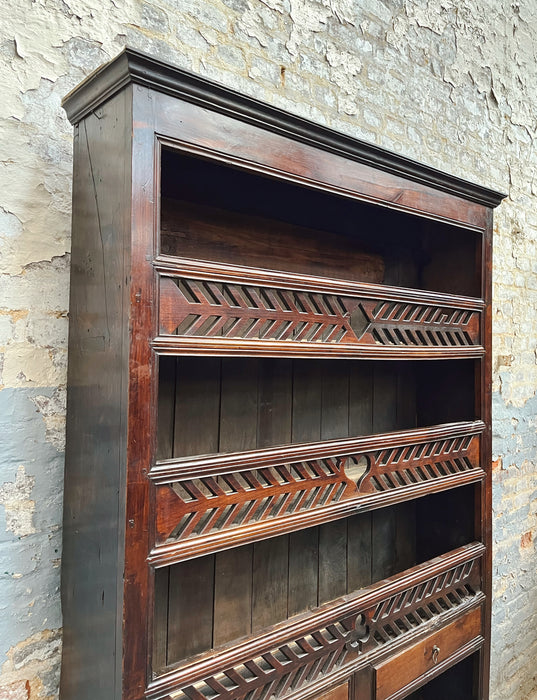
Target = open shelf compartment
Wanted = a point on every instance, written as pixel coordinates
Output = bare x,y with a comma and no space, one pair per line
341,635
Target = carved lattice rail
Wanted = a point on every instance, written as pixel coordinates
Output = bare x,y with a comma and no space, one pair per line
203,502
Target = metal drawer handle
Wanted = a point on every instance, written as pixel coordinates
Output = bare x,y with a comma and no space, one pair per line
436,653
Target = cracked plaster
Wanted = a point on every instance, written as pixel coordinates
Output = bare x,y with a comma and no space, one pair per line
449,82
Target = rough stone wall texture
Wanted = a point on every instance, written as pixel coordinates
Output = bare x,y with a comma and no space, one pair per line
452,83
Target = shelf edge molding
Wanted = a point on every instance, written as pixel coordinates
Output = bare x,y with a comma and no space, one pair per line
204,505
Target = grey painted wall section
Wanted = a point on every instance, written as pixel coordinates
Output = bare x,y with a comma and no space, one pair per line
30,533
452,83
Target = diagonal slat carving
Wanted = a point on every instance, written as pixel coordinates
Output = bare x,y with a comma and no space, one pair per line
413,324
218,494
403,466
201,308
403,612
338,635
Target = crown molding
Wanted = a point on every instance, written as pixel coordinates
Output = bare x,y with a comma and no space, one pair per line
136,67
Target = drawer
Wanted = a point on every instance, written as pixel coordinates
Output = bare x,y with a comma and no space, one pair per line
422,658
341,692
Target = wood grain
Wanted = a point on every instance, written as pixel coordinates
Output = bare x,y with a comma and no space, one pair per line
414,662
232,595
190,612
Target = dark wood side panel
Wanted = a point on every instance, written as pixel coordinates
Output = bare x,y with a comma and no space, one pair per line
92,560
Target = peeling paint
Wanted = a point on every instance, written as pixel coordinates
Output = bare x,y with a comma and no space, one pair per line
19,508
52,408
32,668
448,82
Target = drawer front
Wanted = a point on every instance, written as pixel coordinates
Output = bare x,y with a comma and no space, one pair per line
410,664
341,692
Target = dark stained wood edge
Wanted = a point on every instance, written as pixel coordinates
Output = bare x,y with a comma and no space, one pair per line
484,494
96,427
169,266
224,347
142,396
137,67
167,471
304,624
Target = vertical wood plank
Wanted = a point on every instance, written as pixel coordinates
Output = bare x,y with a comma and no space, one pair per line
384,398
166,407
306,401
359,527
238,419
406,397
190,616
303,570
332,560
362,685
160,620
360,399
405,536
275,402
270,581
383,538
335,400
232,595
358,552
383,521
197,406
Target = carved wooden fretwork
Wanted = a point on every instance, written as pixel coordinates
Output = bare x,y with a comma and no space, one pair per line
426,461
214,310
399,323
208,309
204,497
387,613
406,610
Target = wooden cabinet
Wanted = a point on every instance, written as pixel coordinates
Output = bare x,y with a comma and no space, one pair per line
278,459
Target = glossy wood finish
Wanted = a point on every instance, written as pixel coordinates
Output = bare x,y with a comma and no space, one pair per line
347,634
204,504
339,693
393,677
229,494
383,321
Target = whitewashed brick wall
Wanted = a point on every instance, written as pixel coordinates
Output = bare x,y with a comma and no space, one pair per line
452,83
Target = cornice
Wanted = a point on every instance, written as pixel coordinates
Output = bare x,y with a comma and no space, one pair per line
132,66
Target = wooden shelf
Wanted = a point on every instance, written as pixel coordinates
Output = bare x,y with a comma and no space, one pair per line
260,448
342,636
229,310
203,505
